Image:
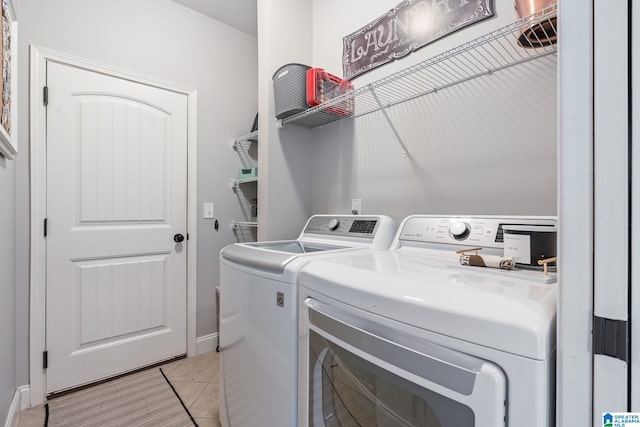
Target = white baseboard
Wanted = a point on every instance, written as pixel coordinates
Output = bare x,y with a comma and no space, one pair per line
206,343
21,400
25,397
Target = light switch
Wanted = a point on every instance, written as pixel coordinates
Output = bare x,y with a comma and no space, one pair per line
208,211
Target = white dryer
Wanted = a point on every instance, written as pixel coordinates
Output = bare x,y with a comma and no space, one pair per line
259,314
410,337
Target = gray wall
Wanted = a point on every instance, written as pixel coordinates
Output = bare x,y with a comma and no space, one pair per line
284,154
161,39
483,147
7,285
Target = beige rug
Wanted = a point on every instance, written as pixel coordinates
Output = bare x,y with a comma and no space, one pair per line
145,398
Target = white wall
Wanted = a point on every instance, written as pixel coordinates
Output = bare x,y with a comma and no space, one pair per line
7,285
164,40
483,147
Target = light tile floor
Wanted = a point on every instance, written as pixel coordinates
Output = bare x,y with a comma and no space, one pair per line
196,379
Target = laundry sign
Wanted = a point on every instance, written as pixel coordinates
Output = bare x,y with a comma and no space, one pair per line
409,26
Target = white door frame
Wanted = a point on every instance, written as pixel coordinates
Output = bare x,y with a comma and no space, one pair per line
574,368
38,174
635,209
611,188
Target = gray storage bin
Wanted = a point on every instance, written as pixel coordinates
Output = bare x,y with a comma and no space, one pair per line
290,90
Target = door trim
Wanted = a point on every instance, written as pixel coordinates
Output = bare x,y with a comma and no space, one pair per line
38,173
635,209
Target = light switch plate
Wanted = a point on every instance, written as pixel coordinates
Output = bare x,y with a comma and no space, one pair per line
208,211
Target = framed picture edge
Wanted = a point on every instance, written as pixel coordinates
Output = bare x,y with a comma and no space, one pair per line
9,143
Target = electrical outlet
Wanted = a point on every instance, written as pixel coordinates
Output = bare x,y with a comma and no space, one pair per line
208,211
356,206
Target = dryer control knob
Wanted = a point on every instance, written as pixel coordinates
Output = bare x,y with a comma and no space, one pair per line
459,230
333,224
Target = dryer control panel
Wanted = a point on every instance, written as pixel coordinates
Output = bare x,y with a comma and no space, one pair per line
480,231
351,226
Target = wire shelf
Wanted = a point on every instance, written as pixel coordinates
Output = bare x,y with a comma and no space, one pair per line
484,55
240,224
234,183
250,137
247,180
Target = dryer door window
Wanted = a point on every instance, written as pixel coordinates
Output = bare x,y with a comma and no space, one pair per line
362,373
346,390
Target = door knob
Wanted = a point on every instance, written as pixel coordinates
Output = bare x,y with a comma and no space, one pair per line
178,238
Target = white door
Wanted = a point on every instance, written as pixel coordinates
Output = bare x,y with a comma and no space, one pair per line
116,197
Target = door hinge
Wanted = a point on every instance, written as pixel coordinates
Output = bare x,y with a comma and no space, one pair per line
45,95
611,338
45,227
45,359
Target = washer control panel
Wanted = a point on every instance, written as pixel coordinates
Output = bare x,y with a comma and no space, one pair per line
360,226
481,231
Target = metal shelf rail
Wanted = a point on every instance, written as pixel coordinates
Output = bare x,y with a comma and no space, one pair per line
482,56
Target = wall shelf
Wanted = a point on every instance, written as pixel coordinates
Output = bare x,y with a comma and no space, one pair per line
247,195
234,183
240,224
484,55
250,137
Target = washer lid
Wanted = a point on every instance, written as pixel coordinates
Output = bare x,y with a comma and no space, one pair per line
295,246
273,255
511,315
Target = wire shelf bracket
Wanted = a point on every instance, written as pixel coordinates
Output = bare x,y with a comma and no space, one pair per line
390,122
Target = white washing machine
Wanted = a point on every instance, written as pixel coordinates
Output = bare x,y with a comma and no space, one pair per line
259,314
410,337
